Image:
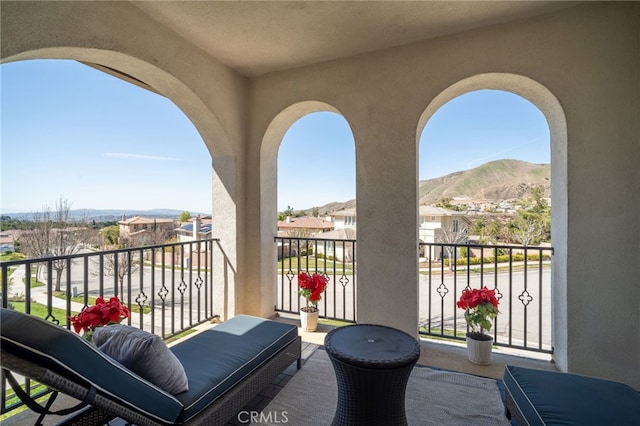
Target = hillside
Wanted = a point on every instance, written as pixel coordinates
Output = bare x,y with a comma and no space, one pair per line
494,181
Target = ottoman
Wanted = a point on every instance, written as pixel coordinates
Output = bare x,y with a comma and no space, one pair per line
536,397
372,365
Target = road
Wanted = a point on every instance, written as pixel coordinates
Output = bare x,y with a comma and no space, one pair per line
519,309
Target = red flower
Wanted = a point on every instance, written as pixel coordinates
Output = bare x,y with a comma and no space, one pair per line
102,313
312,286
481,307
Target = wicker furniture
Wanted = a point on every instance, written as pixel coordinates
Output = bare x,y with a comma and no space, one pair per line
227,366
372,364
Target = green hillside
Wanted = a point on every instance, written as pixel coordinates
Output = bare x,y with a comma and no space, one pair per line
496,180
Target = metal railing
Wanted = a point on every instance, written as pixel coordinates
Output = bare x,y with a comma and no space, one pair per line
520,276
522,287
334,259
167,287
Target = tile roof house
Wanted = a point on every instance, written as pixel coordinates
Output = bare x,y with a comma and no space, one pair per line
142,229
303,226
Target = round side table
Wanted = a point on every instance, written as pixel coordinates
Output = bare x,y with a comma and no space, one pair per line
372,365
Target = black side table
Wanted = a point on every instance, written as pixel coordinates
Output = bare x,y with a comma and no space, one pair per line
372,365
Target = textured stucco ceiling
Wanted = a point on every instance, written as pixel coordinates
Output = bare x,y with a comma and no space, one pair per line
257,37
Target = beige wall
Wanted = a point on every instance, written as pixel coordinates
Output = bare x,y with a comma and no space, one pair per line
580,66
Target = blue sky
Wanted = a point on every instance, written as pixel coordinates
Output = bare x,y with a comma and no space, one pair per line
69,130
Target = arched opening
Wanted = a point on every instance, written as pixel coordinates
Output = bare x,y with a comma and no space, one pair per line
100,142
203,127
314,149
216,138
550,109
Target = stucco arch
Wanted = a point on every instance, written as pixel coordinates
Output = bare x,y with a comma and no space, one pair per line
216,138
550,107
269,151
271,141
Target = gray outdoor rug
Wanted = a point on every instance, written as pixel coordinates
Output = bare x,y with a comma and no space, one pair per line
434,397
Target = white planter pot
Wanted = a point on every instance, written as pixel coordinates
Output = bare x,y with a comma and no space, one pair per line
479,350
309,320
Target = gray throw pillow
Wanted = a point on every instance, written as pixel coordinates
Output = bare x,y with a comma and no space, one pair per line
143,353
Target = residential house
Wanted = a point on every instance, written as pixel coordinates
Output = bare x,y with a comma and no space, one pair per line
338,244
387,68
440,225
8,240
299,227
303,226
140,230
198,228
345,219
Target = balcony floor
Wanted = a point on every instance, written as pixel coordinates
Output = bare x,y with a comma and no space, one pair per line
434,353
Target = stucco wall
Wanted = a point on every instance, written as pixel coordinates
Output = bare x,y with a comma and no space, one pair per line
581,66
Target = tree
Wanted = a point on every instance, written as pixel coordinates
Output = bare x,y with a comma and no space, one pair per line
283,215
53,235
532,223
120,265
445,203
454,233
527,228
495,232
184,216
110,234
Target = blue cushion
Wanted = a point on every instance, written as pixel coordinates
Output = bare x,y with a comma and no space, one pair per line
234,349
553,398
69,355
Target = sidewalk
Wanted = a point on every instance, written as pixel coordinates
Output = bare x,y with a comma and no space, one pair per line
38,294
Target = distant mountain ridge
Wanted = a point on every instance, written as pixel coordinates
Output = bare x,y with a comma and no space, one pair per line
107,215
494,181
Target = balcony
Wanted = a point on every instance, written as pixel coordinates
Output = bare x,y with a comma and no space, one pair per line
577,62
170,293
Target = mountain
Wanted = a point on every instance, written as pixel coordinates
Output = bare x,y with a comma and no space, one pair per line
494,181
107,215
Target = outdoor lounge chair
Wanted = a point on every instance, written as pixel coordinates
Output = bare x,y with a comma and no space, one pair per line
226,366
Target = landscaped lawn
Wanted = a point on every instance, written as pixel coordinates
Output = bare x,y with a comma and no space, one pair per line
312,264
40,310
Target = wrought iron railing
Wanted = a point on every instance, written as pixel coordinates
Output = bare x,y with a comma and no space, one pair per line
167,287
332,258
520,276
523,287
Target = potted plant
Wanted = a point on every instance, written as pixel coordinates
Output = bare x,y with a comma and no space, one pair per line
101,314
311,288
481,308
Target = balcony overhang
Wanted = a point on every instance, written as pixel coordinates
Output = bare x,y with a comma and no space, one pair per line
256,38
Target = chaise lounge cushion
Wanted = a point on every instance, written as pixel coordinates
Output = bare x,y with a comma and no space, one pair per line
215,361
553,398
235,348
143,353
69,355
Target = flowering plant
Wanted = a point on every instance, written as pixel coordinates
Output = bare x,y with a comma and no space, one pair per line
481,308
311,288
101,314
